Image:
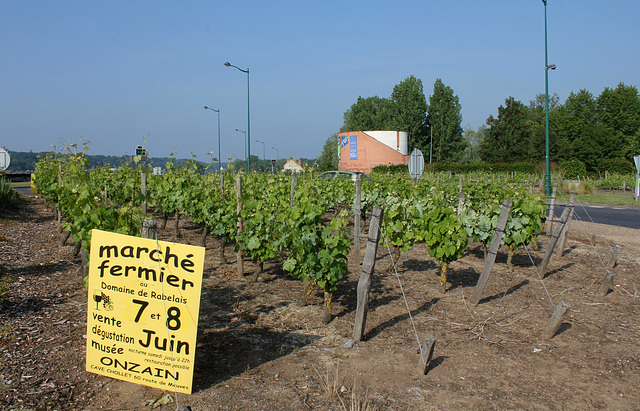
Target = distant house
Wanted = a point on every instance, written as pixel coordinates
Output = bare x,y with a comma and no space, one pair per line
294,166
363,150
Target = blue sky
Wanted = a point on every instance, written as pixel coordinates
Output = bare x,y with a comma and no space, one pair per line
114,72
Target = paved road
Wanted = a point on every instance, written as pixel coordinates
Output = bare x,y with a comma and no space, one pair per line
603,214
23,190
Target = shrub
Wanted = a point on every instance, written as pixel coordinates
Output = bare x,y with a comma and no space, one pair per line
615,181
390,169
522,167
574,169
616,165
580,188
455,168
8,196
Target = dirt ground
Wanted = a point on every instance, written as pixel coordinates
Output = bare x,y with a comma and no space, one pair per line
260,349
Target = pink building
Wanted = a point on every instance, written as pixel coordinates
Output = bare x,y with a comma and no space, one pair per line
363,150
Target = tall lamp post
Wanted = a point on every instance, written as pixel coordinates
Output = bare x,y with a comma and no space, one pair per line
263,156
219,154
277,153
248,116
431,144
547,67
245,142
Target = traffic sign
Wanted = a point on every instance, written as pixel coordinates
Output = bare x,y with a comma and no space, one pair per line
636,159
5,159
416,164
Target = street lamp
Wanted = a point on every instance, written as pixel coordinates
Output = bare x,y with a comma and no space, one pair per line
431,144
547,67
263,156
219,154
248,117
277,152
245,143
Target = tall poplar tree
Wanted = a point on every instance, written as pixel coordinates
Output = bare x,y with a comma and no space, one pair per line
444,120
410,106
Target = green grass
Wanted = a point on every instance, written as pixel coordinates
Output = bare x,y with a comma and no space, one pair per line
608,199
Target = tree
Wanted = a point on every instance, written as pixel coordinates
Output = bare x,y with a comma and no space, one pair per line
473,140
444,119
371,113
619,110
405,110
410,110
328,160
582,137
539,104
509,135
536,111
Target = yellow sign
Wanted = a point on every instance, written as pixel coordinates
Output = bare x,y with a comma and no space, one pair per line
33,185
144,300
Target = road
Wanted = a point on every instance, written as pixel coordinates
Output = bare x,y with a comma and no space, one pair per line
603,214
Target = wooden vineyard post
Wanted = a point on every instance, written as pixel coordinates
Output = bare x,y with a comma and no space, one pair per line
356,221
493,250
58,212
143,190
460,202
565,231
606,284
240,224
614,258
222,182
293,187
553,240
426,353
364,284
176,227
552,209
149,228
65,236
84,267
556,320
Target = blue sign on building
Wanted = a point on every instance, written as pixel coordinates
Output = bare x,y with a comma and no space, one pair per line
353,148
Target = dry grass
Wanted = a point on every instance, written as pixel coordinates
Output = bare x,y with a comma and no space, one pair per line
332,385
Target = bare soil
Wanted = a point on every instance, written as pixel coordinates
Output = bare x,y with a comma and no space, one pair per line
259,348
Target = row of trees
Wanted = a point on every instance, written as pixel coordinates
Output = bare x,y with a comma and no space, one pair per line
590,129
586,128
26,161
